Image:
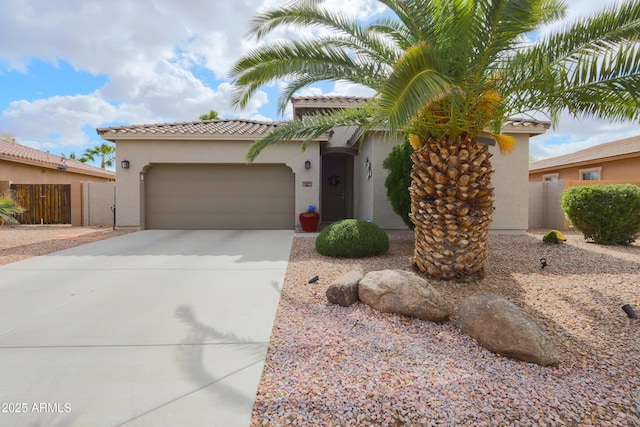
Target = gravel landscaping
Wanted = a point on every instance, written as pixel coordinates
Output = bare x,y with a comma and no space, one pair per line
26,241
334,366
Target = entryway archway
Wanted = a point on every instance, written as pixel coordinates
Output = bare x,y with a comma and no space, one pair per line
337,186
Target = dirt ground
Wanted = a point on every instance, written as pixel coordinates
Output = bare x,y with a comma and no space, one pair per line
26,241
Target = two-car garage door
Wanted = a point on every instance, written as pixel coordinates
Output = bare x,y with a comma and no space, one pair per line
219,196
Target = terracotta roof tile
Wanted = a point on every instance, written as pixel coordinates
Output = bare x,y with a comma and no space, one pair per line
610,149
329,99
13,152
216,127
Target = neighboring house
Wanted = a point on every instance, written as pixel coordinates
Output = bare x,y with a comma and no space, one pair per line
195,175
616,162
613,161
49,186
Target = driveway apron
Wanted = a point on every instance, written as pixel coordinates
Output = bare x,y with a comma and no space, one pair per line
153,328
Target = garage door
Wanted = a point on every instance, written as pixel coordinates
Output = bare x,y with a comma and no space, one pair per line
204,196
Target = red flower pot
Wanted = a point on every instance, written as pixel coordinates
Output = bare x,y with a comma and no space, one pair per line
309,221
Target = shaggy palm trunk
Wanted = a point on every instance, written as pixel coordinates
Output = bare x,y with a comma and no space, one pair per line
451,207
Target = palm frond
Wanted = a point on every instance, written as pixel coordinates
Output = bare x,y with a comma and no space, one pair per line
308,128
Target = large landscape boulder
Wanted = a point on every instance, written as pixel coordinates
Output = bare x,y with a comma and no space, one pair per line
502,327
344,290
402,292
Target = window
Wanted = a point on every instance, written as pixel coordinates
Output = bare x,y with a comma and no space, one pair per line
591,174
550,177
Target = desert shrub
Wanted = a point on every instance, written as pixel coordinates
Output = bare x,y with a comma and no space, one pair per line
399,164
554,236
8,208
607,214
352,238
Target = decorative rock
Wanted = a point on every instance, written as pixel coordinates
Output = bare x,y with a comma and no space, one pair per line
344,290
502,327
402,292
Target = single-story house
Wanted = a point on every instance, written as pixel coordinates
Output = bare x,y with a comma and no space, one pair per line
195,175
613,161
50,185
616,162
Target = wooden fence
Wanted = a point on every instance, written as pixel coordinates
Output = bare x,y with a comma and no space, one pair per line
43,203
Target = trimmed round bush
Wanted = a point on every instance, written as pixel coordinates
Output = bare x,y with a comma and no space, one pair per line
554,236
352,238
607,214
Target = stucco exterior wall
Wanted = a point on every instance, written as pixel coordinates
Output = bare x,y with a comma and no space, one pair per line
363,186
97,200
511,186
143,153
18,173
616,170
383,213
510,183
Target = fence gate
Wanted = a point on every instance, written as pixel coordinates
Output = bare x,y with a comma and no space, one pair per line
43,203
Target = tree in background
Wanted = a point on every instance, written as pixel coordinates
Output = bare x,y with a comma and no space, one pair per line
211,115
448,73
105,152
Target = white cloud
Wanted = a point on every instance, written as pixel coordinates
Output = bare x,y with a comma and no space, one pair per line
153,53
572,135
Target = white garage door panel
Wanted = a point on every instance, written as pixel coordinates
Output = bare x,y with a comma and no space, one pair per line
219,197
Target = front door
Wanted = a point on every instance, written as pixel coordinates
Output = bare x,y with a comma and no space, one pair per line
337,187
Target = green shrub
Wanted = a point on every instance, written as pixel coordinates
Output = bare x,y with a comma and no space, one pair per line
399,165
608,214
554,236
8,208
352,238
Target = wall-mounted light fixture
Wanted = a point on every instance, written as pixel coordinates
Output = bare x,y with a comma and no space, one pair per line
124,164
307,164
367,167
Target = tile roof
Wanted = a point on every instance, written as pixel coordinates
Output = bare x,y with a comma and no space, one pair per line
528,124
329,99
13,152
227,127
622,147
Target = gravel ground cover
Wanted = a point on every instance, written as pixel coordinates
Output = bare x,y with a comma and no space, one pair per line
26,241
335,366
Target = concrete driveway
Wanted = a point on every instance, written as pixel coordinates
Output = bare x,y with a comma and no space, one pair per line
154,328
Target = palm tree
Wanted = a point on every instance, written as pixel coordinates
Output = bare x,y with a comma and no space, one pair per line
105,152
449,74
9,208
211,115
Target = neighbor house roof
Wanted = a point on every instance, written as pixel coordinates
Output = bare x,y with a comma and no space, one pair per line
623,148
230,128
11,151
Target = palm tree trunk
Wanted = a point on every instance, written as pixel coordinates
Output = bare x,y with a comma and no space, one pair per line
451,207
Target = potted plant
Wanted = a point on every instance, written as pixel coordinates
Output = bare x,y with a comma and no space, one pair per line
309,220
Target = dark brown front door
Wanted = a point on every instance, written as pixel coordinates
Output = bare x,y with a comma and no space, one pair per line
337,187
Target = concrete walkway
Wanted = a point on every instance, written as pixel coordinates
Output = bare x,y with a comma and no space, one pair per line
154,328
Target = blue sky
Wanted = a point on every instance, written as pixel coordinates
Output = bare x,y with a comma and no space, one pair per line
70,66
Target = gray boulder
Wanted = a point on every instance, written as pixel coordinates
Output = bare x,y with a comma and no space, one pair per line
502,327
344,290
402,292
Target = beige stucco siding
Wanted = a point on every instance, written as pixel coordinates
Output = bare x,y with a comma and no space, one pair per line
142,154
615,170
383,211
511,186
19,173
